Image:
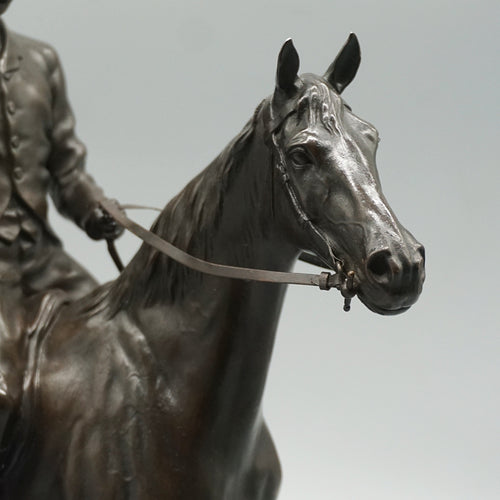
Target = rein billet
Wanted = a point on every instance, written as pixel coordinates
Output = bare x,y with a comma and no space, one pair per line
342,281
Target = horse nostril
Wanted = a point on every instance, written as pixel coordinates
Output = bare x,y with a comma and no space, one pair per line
378,264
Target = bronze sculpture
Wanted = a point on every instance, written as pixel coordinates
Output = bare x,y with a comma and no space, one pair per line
151,386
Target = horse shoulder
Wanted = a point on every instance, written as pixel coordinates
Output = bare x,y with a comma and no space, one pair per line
90,362
94,409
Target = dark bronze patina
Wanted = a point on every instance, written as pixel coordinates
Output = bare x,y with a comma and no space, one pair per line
150,387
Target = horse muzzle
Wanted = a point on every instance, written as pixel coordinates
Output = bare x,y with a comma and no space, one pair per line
393,279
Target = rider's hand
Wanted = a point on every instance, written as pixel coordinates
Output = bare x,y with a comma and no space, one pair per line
100,225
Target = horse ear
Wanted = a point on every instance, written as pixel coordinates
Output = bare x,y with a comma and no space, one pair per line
343,70
288,67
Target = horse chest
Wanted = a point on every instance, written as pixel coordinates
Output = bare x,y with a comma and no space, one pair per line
113,446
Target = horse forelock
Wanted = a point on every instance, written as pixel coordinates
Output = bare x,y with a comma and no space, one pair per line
318,104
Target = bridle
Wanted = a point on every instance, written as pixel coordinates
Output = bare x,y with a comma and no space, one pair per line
341,280
281,166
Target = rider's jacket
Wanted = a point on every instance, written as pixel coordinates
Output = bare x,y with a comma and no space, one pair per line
39,152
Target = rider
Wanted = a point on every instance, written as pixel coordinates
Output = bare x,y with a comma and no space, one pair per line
39,154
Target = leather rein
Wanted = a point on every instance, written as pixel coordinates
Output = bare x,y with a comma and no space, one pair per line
341,280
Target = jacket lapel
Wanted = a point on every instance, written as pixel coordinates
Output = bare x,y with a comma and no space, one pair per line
11,57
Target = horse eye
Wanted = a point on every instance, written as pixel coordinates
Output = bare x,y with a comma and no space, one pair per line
300,158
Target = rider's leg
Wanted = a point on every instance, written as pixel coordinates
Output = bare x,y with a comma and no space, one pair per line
46,266
13,340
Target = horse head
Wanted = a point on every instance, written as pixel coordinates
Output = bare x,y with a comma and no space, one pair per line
325,156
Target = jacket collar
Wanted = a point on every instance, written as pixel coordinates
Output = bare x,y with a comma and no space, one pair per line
10,56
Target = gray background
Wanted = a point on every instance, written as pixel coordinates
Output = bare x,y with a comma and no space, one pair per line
361,406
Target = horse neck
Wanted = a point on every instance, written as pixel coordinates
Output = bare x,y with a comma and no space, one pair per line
225,327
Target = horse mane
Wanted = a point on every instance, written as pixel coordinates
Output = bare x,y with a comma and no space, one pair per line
188,222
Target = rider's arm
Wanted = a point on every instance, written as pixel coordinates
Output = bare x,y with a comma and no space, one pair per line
74,191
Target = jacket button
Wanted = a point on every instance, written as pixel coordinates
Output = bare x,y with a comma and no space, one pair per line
18,173
14,141
11,107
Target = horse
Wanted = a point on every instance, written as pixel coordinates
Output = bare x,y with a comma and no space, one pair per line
151,386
